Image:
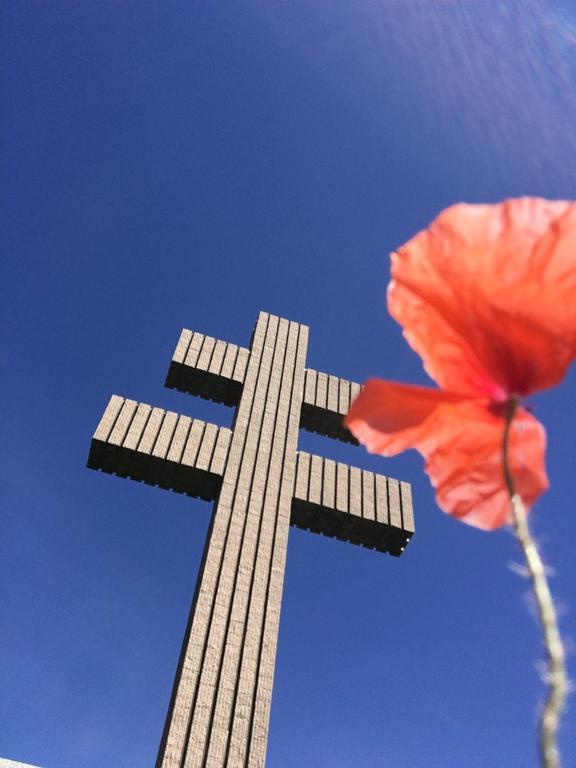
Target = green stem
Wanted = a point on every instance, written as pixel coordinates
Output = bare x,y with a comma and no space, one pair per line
556,663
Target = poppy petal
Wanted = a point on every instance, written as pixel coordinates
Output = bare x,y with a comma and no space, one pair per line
464,460
487,296
461,440
388,417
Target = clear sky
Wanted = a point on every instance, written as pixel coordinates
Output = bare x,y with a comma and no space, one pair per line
172,164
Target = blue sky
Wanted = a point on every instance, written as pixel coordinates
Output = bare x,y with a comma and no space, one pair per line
177,164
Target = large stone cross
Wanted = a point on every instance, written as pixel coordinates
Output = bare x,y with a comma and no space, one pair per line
219,711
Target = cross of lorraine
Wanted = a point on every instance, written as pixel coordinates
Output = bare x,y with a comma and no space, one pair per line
261,484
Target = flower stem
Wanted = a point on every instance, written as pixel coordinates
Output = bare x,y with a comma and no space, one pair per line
556,663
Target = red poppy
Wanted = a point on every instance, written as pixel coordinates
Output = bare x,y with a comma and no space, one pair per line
487,297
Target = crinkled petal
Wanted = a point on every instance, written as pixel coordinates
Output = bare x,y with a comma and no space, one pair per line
464,461
388,417
461,440
487,296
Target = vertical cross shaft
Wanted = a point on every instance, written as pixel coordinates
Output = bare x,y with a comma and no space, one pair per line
220,705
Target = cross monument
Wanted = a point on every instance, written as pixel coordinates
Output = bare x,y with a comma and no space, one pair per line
261,484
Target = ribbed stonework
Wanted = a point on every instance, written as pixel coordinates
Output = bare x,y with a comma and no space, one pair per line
220,706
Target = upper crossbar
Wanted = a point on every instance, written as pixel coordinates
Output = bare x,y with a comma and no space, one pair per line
204,366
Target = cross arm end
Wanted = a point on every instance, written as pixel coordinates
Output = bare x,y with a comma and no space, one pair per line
204,366
352,504
325,402
160,448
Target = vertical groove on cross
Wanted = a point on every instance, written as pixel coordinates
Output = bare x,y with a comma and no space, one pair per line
220,708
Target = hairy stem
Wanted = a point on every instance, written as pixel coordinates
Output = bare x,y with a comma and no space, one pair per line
555,655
